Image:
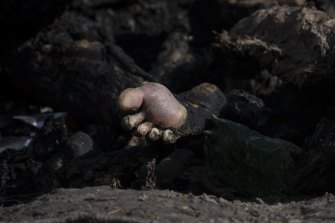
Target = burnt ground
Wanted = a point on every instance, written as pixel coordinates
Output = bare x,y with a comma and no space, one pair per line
64,156
103,204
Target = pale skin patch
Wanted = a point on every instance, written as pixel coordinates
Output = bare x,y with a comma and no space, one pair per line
130,99
159,111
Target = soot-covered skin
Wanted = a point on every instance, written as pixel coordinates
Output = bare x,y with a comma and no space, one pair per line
161,115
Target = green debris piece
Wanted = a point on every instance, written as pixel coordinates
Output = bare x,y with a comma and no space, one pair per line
255,164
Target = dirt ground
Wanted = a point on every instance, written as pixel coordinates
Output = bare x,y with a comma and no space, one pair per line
103,204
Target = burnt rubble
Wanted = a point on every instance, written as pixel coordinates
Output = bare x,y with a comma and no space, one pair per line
63,67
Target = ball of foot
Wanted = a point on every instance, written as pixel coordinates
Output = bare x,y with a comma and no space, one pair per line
158,111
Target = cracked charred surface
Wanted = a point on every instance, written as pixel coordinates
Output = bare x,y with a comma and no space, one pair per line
294,43
74,67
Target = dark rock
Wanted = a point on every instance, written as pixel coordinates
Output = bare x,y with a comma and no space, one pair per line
52,138
247,109
253,163
293,43
173,165
316,166
80,143
78,48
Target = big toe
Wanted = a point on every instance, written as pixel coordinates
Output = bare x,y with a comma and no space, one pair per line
131,121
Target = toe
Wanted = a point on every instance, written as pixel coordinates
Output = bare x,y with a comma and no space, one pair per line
131,121
130,99
169,136
144,128
155,134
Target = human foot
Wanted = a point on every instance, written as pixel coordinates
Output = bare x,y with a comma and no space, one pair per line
160,111
161,116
